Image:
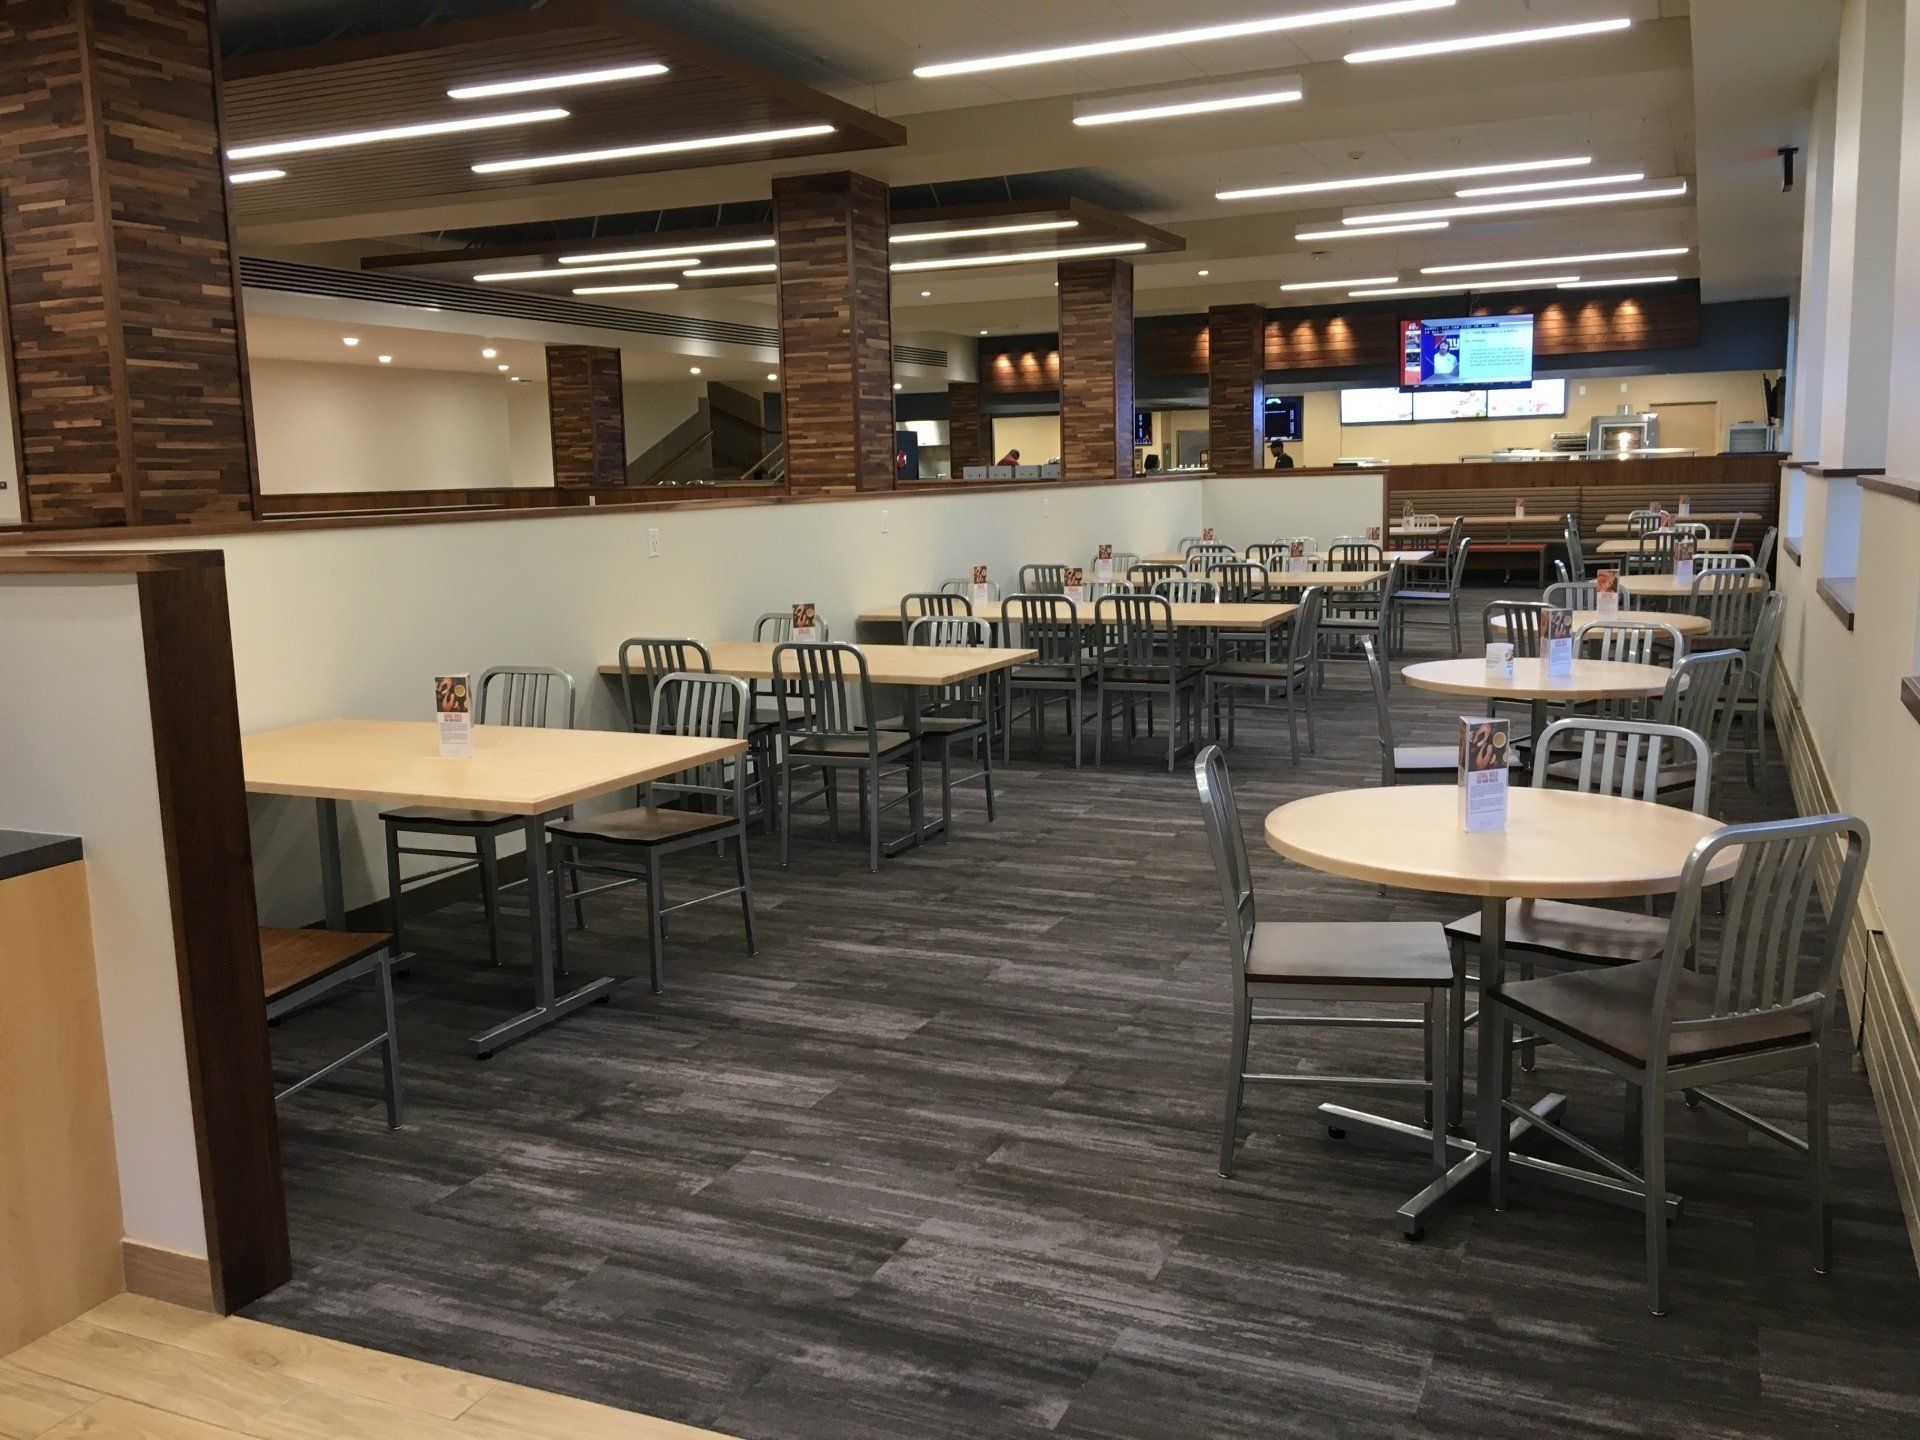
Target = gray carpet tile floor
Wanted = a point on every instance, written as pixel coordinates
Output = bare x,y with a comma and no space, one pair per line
940,1161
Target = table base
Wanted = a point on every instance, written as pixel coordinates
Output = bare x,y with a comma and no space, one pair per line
594,992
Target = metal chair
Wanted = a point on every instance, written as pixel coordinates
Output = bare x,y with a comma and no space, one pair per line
818,715
1639,522
1149,658
1576,555
1350,612
1046,579
1377,962
1572,595
1049,624
1631,642
660,658
1347,553
1188,590
1730,602
1401,764
1294,675
964,586
1270,555
1763,552
630,844
1753,705
921,602
1700,697
1710,1009
1239,580
300,967
957,715
1711,561
1525,620
1448,596
1204,556
1148,573
532,696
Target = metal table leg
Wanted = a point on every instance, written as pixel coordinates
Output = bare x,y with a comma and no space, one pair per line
332,890
547,1007
910,698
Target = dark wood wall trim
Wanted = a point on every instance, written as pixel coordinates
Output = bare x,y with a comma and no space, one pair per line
1842,472
1791,544
1910,695
203,816
1892,485
1839,592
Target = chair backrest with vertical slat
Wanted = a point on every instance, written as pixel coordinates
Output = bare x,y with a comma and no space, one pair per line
1350,554
1382,708
1203,557
1229,846
1139,628
1730,603
1044,579
1049,624
1271,555
1303,642
1652,642
1765,646
1703,563
1239,580
1524,621
1149,573
965,631
819,684
657,658
1188,590
533,696
965,587
1763,553
709,707
1572,595
1626,758
776,626
1700,695
922,602
1576,555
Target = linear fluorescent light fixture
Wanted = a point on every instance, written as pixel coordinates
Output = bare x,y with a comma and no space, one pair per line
1342,284
1533,282
622,289
702,274
1597,258
1189,100
1515,207
346,139
1024,257
1619,280
1024,227
1487,42
710,247
1358,234
658,147
493,277
1579,182
1411,177
254,177
1199,35
556,82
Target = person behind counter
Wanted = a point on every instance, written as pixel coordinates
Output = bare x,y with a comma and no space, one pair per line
1281,460
1012,457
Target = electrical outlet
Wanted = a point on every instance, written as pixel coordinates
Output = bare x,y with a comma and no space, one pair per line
886,522
653,543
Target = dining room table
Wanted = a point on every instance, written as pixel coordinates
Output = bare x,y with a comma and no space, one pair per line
1585,680
1554,845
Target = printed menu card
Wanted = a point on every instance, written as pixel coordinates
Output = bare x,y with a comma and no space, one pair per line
1297,558
1103,563
453,709
1373,533
806,624
1075,587
1683,562
1206,534
1606,592
977,587
1558,635
1483,774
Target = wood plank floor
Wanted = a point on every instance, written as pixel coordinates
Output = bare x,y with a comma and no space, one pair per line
137,1369
941,1162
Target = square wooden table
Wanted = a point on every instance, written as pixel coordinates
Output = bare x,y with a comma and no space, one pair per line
1717,546
513,771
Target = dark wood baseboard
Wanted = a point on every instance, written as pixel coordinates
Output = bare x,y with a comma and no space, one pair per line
170,1275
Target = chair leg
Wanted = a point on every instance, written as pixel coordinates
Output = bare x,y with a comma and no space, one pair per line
1099,730
1822,1213
1438,1068
746,889
1457,1046
1492,1015
946,790
393,890
786,808
1653,1171
656,926
390,1052
917,797
831,781
1236,1069
490,891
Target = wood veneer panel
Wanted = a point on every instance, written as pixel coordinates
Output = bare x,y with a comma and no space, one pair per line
836,330
585,414
122,313
1022,372
1096,367
966,426
203,817
1236,386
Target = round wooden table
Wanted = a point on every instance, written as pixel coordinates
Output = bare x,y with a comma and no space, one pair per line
1558,844
1588,680
1686,624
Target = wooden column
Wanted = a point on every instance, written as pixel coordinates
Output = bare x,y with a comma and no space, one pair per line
117,273
584,412
836,330
966,426
1096,368
1236,387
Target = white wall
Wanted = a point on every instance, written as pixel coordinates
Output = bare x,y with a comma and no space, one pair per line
1247,510
78,745
654,408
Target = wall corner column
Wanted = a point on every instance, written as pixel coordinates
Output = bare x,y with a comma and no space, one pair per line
1096,369
1236,386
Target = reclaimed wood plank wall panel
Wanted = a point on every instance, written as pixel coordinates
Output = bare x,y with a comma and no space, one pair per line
1096,368
1236,386
586,417
836,330
966,426
1023,372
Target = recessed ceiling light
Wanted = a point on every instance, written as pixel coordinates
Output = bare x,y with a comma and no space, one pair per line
1203,272
976,232
348,138
926,294
1411,177
711,247
1189,100
1024,257
693,370
646,289
773,375
1487,42
488,353
983,332
1234,30
555,82
386,359
497,276
703,272
1619,280
1581,182
1358,234
896,384
254,177
503,367
658,147
1513,207
1594,259
1342,284
349,339
1530,283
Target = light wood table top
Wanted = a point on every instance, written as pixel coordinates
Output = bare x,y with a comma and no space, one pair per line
1557,844
1686,623
1666,587
1590,680
1628,547
1622,519
1249,615
886,664
1410,557
1483,522
1331,579
513,770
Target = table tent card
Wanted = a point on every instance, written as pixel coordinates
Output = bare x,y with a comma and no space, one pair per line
1519,508
1103,563
1075,587
1559,643
1683,562
1373,534
806,624
1686,506
453,709
1499,660
977,587
1483,774
1606,592
1297,558
1406,513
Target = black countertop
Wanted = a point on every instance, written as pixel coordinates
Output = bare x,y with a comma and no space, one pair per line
24,851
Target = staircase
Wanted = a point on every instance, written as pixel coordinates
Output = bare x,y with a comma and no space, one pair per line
722,442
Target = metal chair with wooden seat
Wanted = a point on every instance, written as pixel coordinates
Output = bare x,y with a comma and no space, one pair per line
1753,703
1293,675
299,967
1150,658
1047,578
1203,557
916,603
534,696
1061,669
957,716
1709,1009
710,707
1403,764
660,658
1375,962
1148,573
1418,596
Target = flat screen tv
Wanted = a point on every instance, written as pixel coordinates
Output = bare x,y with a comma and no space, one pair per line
1284,419
1472,352
1143,427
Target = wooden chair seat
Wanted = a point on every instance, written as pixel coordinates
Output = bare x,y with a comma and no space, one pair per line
849,747
432,815
1408,953
642,825
1610,1010
290,959
1586,934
